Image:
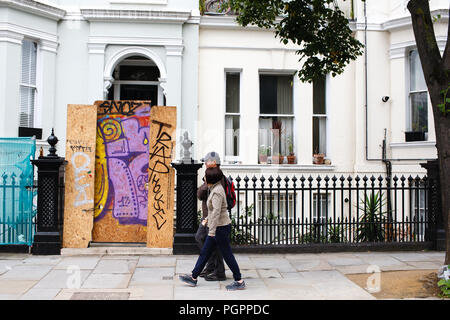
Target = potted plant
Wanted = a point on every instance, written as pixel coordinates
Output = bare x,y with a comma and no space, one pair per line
263,153
318,158
277,158
291,157
417,133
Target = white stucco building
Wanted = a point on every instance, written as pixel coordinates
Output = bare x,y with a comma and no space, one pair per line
55,53
232,85
330,115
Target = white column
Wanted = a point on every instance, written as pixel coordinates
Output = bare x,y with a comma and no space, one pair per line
46,74
10,64
172,88
95,78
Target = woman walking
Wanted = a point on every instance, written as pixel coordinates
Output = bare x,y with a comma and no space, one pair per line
219,224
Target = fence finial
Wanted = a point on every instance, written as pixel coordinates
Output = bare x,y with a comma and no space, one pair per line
52,141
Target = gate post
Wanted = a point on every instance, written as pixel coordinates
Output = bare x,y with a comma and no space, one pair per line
50,202
186,209
435,205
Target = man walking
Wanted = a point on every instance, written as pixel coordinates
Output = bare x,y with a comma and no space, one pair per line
215,268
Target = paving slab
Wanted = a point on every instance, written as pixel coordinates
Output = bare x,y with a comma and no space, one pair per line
152,292
63,279
15,287
42,260
382,261
271,262
311,265
8,264
269,273
362,268
425,265
40,294
163,276
82,262
107,281
26,272
185,265
156,261
112,266
409,256
344,261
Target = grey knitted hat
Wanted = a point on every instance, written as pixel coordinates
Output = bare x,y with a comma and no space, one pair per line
211,156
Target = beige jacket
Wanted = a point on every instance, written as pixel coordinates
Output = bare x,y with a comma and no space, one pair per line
217,209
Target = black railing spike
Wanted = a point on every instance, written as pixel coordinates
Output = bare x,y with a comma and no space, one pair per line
357,179
365,179
349,179
380,178
302,178
342,178
286,179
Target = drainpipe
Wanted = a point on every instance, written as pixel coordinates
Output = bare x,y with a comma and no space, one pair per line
383,159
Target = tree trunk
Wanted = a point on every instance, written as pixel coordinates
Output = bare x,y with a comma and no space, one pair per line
436,70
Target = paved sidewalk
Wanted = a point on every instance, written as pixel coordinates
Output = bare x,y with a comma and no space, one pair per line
155,276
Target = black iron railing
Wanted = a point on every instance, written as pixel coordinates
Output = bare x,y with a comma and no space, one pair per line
337,210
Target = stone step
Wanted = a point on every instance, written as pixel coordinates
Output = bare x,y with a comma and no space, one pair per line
115,250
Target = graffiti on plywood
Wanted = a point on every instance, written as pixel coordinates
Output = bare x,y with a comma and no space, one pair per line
122,158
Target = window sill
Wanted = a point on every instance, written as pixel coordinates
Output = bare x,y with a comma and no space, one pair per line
278,167
413,144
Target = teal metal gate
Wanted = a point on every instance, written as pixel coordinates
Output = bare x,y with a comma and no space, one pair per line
17,210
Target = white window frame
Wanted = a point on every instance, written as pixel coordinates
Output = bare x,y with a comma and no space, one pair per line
228,158
143,63
409,92
325,115
318,216
292,116
36,92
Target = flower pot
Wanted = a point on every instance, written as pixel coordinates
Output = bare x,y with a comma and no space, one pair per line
291,158
319,158
262,158
277,159
414,136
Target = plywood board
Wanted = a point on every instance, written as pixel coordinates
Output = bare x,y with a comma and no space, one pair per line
79,180
121,175
161,177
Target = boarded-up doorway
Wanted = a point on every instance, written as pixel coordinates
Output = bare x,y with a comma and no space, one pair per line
121,171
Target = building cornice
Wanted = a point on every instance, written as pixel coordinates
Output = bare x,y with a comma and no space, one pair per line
399,50
222,21
405,22
133,40
14,33
157,16
35,7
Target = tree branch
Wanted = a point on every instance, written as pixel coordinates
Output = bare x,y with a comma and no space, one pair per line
446,56
430,57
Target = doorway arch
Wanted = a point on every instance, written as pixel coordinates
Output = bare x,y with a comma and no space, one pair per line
125,56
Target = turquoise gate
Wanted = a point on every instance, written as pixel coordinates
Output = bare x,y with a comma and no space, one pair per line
17,210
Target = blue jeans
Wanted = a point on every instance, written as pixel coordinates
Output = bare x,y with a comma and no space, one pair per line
222,241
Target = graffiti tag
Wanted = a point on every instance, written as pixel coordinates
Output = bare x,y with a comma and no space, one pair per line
161,152
81,197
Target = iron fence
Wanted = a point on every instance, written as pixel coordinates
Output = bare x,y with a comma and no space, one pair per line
17,196
17,210
338,210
